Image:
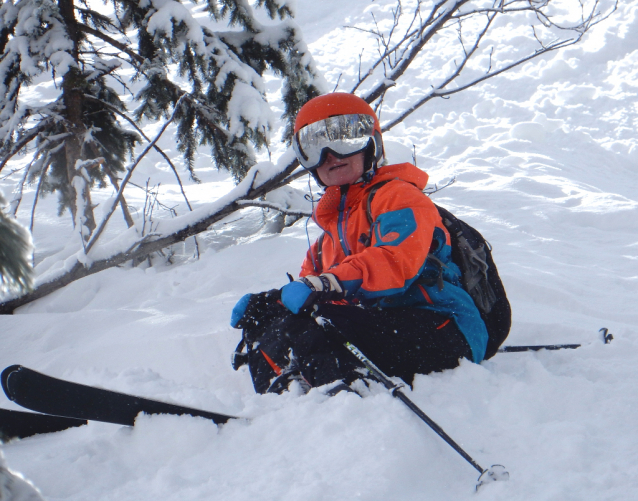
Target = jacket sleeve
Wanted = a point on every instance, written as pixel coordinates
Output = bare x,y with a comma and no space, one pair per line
404,220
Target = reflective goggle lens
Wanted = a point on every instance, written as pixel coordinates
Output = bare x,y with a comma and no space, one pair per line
342,134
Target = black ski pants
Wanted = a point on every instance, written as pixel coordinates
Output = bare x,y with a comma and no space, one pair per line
400,341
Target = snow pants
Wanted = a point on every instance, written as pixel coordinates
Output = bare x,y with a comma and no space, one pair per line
400,341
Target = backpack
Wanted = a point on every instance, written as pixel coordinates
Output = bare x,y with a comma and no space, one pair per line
479,276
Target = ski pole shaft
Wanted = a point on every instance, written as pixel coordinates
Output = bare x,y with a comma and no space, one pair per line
396,392
513,349
607,338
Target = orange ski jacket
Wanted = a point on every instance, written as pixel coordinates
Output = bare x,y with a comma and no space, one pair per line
404,223
386,262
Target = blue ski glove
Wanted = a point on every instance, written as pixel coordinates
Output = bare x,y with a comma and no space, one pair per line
304,292
239,310
251,308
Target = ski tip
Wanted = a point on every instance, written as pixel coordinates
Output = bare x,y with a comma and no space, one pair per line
5,376
496,472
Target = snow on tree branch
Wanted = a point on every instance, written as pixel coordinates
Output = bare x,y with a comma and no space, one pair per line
90,53
131,245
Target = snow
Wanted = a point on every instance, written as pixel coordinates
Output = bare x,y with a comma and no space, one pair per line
169,13
543,159
247,106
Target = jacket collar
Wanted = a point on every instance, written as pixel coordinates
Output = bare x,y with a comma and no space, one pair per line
329,203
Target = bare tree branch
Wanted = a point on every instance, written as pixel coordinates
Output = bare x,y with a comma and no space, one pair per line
441,12
155,147
397,58
407,38
98,231
499,8
439,92
17,197
38,190
28,136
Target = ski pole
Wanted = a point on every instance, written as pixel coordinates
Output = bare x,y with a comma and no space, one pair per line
495,472
491,474
513,349
396,392
607,338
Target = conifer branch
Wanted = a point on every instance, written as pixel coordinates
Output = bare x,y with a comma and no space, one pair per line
24,140
111,41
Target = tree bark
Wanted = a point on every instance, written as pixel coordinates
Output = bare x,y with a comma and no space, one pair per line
73,84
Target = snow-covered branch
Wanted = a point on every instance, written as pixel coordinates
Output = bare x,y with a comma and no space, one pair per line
92,53
262,179
273,206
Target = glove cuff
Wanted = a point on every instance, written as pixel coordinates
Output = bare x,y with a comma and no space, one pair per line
326,282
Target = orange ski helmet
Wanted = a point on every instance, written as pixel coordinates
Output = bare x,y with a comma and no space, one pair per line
340,123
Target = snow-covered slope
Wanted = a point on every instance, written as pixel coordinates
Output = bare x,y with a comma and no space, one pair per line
545,166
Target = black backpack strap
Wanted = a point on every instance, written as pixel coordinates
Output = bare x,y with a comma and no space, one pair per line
452,224
366,239
319,262
371,194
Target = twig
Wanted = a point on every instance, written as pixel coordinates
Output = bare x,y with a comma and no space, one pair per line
17,198
408,37
267,205
98,232
45,167
159,204
435,21
333,90
436,189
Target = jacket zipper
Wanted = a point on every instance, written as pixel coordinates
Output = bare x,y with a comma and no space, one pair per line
342,221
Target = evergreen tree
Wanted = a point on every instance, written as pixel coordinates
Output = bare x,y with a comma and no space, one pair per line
159,48
15,255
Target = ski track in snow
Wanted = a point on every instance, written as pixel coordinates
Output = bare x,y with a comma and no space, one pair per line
545,164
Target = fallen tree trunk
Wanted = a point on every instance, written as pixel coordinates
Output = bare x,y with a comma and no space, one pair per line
85,265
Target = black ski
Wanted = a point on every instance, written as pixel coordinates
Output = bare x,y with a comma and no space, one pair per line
18,424
41,393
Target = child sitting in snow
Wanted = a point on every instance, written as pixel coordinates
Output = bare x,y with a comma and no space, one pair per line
380,276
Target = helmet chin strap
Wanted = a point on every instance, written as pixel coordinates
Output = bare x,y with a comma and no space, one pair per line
370,164
367,176
314,174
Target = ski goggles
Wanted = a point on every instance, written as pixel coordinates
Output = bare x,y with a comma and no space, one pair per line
342,135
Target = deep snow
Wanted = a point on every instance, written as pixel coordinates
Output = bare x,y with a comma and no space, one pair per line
544,159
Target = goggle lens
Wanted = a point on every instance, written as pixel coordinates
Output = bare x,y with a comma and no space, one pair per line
344,135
